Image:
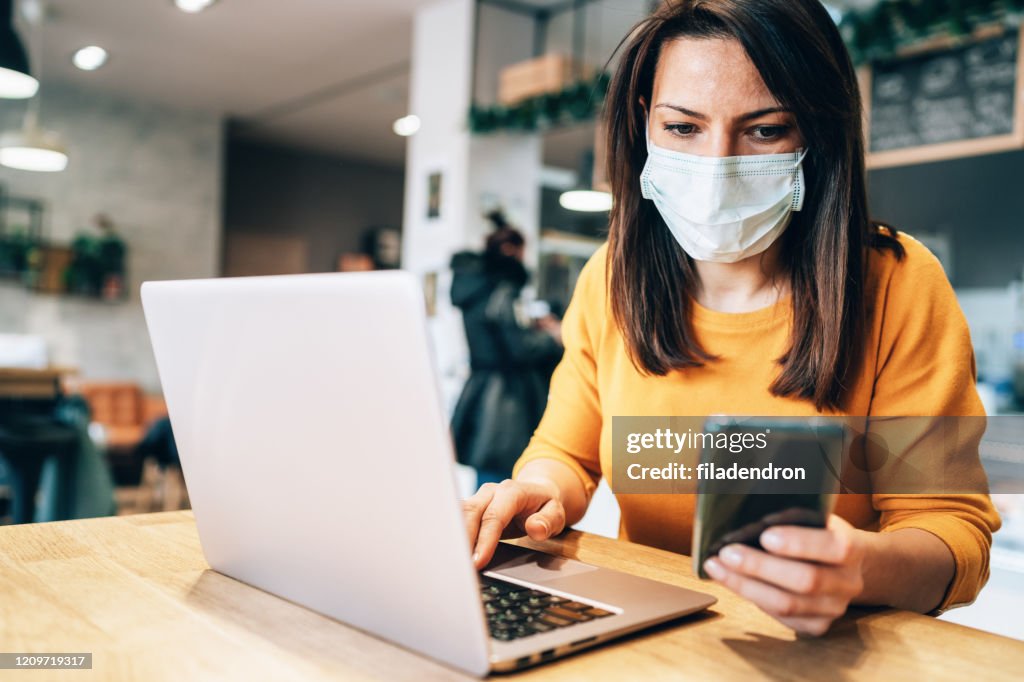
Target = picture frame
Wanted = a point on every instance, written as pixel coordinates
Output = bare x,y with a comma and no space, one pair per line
434,194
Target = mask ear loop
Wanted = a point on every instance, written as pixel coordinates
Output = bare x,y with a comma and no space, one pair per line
798,189
646,190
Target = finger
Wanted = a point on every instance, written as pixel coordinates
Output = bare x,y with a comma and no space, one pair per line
816,627
503,507
772,600
827,546
473,508
799,577
548,521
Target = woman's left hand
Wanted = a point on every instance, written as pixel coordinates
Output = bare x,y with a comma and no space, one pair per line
806,578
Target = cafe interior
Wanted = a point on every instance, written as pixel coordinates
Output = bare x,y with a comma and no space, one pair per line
181,139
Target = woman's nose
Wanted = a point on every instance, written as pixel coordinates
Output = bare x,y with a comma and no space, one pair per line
719,144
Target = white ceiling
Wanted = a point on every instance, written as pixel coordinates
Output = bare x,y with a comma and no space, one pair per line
251,59
328,75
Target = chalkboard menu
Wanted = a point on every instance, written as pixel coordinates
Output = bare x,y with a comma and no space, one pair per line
945,100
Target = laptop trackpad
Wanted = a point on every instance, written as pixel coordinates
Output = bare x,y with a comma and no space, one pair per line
533,567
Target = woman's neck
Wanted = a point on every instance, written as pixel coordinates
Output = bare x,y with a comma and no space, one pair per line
747,285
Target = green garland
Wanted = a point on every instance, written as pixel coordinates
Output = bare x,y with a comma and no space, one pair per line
578,102
870,34
881,31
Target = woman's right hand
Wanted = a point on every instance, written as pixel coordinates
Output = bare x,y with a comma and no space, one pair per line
511,509
553,326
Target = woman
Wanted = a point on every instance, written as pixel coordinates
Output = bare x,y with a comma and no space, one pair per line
743,276
504,398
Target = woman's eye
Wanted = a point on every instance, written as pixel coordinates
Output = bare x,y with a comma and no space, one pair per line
681,129
769,133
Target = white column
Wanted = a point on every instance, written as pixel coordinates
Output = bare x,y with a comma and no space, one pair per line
478,173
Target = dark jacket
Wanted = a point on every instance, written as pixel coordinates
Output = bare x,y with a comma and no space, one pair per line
506,393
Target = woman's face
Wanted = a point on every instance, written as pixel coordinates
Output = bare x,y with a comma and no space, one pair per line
709,100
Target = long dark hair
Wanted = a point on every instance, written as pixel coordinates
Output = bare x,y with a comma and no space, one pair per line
797,49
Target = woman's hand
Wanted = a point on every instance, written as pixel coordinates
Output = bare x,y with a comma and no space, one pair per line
511,509
806,578
553,326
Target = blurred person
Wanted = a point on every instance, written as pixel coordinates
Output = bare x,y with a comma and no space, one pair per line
743,275
505,395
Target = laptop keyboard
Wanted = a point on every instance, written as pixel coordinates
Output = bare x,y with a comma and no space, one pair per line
514,611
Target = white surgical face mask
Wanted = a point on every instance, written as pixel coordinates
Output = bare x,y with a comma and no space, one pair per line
724,209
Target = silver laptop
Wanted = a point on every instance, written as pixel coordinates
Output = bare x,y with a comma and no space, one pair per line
320,469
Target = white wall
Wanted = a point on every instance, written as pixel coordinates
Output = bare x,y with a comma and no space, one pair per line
156,172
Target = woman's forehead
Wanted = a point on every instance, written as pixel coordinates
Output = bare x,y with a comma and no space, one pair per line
710,75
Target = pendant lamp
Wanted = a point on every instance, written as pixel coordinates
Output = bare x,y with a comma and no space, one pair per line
584,197
16,82
31,148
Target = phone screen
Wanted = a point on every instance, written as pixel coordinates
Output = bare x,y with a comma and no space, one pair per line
731,510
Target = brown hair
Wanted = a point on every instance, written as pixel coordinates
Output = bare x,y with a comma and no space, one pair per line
503,234
797,49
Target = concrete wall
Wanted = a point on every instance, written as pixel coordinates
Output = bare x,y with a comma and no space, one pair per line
156,172
326,201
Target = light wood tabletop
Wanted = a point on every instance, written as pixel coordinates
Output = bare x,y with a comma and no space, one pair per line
136,592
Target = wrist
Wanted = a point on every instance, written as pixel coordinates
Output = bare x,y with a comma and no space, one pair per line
877,549
907,569
529,475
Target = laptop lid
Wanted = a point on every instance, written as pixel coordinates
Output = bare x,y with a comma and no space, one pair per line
315,451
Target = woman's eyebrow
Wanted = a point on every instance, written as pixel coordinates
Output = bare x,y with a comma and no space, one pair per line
682,110
703,117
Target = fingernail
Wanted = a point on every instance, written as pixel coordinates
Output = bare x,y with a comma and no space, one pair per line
713,568
730,556
770,539
544,525
476,557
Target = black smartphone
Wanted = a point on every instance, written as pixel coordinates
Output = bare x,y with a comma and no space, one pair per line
757,473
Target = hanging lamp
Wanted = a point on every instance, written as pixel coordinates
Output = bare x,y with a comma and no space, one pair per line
16,82
584,197
32,148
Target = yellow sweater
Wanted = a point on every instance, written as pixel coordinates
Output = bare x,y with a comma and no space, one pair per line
918,361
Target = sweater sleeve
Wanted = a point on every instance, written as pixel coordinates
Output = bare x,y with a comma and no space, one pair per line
570,430
926,369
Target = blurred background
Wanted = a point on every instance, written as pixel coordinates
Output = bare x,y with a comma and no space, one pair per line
168,139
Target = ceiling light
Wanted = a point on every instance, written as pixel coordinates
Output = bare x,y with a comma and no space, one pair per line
90,58
15,80
193,6
586,201
33,149
407,125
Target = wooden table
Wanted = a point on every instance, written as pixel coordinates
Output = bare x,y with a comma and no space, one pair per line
136,593
33,384
30,383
